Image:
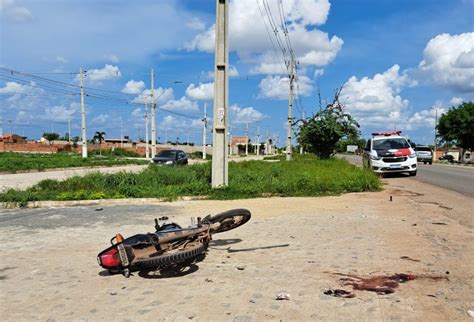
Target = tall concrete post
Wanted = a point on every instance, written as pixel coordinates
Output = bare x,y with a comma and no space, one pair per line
147,147
290,110
153,115
204,132
83,117
220,175
247,140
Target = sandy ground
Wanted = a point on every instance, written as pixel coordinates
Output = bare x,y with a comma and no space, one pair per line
48,269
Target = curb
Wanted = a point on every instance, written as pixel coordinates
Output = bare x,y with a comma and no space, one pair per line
97,202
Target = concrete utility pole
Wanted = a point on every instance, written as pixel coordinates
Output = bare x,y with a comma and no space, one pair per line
220,175
83,115
10,122
121,132
69,130
436,123
204,132
229,138
147,147
247,140
153,116
290,108
258,140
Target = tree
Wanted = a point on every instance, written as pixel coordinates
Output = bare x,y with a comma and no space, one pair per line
100,137
457,126
320,133
51,136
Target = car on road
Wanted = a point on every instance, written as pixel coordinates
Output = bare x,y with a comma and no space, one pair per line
170,157
447,157
388,152
424,154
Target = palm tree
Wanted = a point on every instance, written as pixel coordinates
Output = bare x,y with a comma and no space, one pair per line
99,136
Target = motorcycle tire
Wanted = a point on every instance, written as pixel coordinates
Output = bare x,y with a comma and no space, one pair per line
171,259
230,219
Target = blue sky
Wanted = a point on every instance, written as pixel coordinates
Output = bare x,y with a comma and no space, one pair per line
401,61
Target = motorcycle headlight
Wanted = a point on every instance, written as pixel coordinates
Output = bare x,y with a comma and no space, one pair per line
169,162
374,157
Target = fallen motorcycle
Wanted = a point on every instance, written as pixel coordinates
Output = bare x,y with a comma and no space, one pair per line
169,245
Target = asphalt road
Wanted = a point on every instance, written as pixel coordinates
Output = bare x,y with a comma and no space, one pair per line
451,177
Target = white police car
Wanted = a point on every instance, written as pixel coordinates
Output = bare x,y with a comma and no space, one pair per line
389,152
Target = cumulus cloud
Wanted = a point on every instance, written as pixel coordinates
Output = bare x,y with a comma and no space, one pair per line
448,61
22,96
455,101
181,105
100,119
133,87
243,115
15,12
55,113
112,58
196,24
105,73
162,95
204,92
277,87
249,37
425,118
376,100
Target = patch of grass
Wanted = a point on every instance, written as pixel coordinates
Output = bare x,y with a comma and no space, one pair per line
304,176
13,162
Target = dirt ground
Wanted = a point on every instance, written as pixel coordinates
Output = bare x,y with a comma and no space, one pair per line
49,271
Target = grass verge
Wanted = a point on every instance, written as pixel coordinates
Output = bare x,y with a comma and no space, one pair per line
249,179
13,162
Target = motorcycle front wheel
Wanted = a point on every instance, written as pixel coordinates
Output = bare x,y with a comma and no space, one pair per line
230,219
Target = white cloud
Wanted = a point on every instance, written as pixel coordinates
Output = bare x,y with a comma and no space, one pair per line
455,101
318,73
22,96
376,101
181,105
162,95
133,87
203,92
60,113
233,72
196,24
108,72
249,37
61,60
277,87
112,58
448,60
425,118
243,115
100,119
15,12
138,113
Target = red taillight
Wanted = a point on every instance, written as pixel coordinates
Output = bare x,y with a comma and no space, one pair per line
110,258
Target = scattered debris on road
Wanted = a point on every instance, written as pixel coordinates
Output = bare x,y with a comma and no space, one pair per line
99,209
282,296
409,258
339,293
439,223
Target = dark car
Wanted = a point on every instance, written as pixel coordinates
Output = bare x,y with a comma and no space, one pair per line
447,157
170,157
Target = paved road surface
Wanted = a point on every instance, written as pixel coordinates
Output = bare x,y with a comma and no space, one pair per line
451,177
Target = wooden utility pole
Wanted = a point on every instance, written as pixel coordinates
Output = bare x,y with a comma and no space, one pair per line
153,116
220,176
83,117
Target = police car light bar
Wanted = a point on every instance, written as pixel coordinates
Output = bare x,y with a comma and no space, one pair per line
386,133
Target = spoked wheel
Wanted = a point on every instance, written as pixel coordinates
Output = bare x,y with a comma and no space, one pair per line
172,257
230,219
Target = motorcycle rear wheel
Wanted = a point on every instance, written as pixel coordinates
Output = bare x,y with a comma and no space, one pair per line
230,219
169,258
